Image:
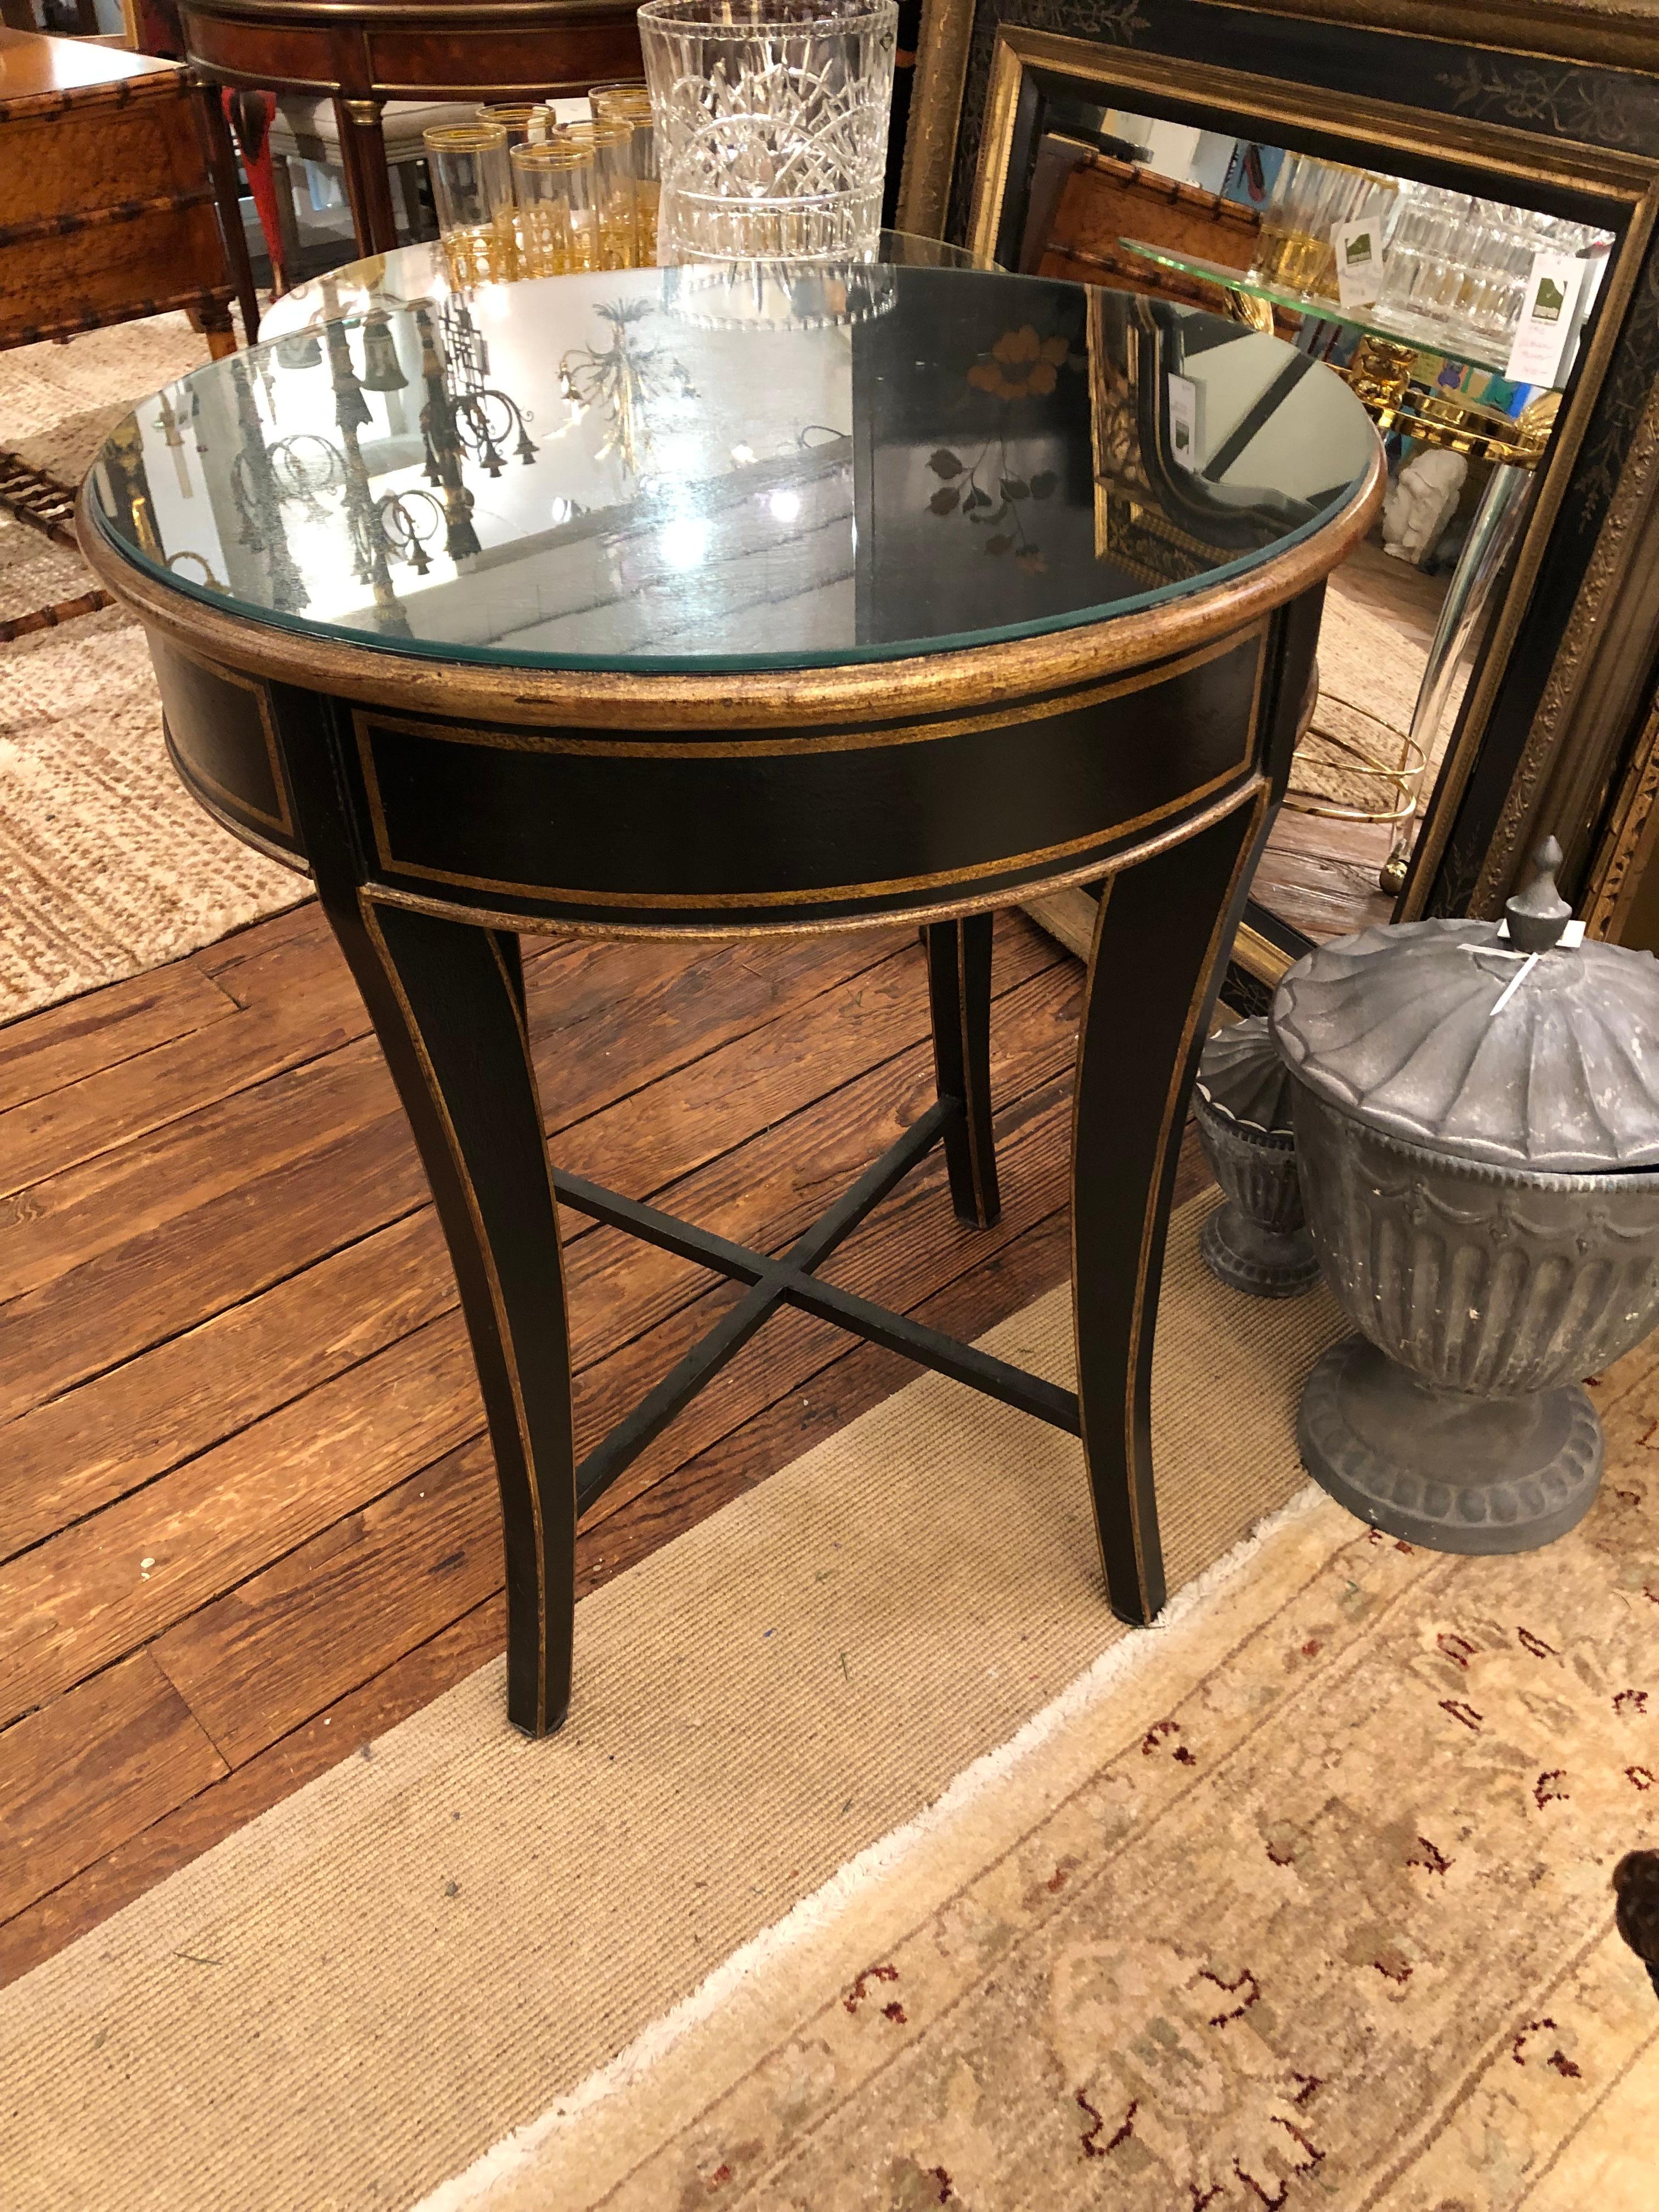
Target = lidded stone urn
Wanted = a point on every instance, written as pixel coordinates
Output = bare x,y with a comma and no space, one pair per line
1476,1108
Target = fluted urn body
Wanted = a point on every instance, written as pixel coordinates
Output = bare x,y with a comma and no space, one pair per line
1478,1139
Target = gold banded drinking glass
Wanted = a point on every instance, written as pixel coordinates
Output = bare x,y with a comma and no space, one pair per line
516,117
557,221
1294,249
472,193
630,102
611,146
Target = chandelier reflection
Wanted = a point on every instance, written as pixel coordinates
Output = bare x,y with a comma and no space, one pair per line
481,419
463,420
409,521
209,580
306,469
626,381
382,370
256,497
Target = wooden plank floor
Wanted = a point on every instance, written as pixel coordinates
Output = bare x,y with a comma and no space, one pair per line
247,1512
1319,875
1322,877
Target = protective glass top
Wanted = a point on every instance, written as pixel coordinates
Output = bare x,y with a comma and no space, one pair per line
661,469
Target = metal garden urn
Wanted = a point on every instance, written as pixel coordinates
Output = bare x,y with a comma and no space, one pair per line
1476,1108
1255,1242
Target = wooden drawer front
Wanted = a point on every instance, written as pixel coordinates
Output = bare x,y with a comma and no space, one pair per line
109,272
572,58
71,164
259,53
223,743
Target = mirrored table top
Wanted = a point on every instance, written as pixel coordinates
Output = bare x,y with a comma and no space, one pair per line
675,470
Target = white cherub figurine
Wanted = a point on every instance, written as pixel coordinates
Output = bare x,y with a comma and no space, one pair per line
1420,504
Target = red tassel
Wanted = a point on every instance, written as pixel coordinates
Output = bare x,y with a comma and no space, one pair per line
249,115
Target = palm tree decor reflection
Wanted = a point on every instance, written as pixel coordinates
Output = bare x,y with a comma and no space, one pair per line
627,380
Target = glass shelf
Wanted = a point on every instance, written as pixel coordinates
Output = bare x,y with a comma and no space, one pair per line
1422,338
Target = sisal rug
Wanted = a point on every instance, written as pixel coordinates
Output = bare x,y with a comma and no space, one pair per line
107,866
35,571
1307,1886
58,403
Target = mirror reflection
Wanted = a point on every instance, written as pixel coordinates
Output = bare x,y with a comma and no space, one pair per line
1456,320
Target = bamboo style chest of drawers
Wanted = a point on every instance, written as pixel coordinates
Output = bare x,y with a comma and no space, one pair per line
117,194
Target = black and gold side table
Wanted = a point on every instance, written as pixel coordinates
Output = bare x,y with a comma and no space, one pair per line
656,603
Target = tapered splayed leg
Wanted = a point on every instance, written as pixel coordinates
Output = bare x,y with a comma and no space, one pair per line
447,1001
960,996
1160,948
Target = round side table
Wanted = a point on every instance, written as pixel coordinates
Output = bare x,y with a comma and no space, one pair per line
645,603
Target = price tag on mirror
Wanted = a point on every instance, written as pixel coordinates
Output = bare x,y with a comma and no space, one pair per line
1357,244
1547,318
1183,420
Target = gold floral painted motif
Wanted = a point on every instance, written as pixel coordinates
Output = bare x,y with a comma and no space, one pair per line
1020,362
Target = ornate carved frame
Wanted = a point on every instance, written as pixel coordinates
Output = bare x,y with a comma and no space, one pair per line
1551,101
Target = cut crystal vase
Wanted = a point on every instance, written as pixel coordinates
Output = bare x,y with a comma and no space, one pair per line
771,127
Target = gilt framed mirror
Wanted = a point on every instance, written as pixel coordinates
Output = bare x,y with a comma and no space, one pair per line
1487,663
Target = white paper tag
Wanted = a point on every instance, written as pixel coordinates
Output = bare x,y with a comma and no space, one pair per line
1547,320
1184,421
1358,247
1572,934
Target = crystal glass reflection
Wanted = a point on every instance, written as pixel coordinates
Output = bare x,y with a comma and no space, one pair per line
1455,269
777,296
771,126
